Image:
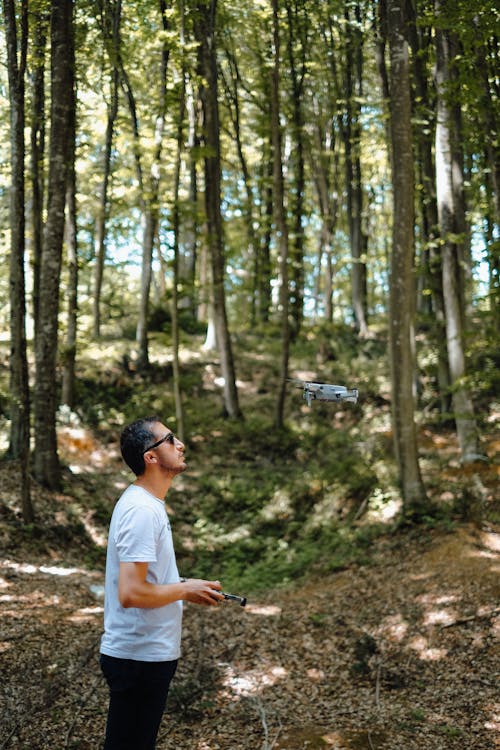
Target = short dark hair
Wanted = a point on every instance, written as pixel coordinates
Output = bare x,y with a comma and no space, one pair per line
134,441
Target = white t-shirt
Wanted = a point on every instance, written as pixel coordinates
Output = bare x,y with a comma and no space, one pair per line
140,532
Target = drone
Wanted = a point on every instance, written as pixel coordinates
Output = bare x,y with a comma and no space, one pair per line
326,392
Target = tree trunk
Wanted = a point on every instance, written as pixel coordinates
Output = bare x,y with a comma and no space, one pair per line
281,227
297,47
62,69
179,410
354,186
152,205
231,87
452,277
262,270
68,357
205,35
431,272
402,285
110,19
188,261
19,387
39,35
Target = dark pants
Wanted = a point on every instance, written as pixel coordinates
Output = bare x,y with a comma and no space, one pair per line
137,696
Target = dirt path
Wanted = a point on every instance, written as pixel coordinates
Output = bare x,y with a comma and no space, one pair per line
400,654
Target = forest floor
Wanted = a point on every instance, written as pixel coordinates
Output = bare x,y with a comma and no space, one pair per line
397,654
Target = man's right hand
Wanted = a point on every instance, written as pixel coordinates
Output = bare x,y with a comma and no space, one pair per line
198,591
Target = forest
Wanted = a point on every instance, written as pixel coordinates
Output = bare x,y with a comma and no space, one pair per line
207,208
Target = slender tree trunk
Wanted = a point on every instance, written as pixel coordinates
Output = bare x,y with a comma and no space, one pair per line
232,92
431,271
205,35
452,278
297,47
179,410
62,70
39,35
354,186
19,387
281,227
402,286
324,166
68,358
152,205
262,271
111,19
188,262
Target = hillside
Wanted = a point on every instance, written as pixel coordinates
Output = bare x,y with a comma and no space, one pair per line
360,633
399,652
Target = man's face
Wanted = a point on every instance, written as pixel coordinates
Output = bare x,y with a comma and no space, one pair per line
167,449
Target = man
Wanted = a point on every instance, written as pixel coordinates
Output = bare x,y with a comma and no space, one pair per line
143,591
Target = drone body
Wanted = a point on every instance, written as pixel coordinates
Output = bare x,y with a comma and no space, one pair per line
327,392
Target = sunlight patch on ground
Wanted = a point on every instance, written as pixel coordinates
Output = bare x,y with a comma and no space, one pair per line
433,599
424,651
97,536
493,722
268,610
394,627
251,682
47,569
86,614
440,617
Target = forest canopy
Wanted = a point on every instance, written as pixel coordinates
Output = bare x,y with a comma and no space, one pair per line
280,167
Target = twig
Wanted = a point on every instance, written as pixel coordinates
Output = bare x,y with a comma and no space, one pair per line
7,740
277,735
262,713
481,616
369,735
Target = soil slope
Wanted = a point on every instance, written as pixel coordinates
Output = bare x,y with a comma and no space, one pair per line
400,653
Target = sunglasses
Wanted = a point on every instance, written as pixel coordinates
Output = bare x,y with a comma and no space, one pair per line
168,438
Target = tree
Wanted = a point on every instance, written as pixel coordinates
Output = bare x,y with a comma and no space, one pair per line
353,85
451,229
402,284
46,463
19,386
281,227
110,14
297,43
39,30
430,272
69,350
179,410
207,69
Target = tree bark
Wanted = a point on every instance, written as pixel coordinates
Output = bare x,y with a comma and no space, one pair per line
452,278
46,464
430,263
151,204
231,88
19,387
205,35
281,227
179,410
39,36
297,48
68,358
402,283
354,186
110,20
